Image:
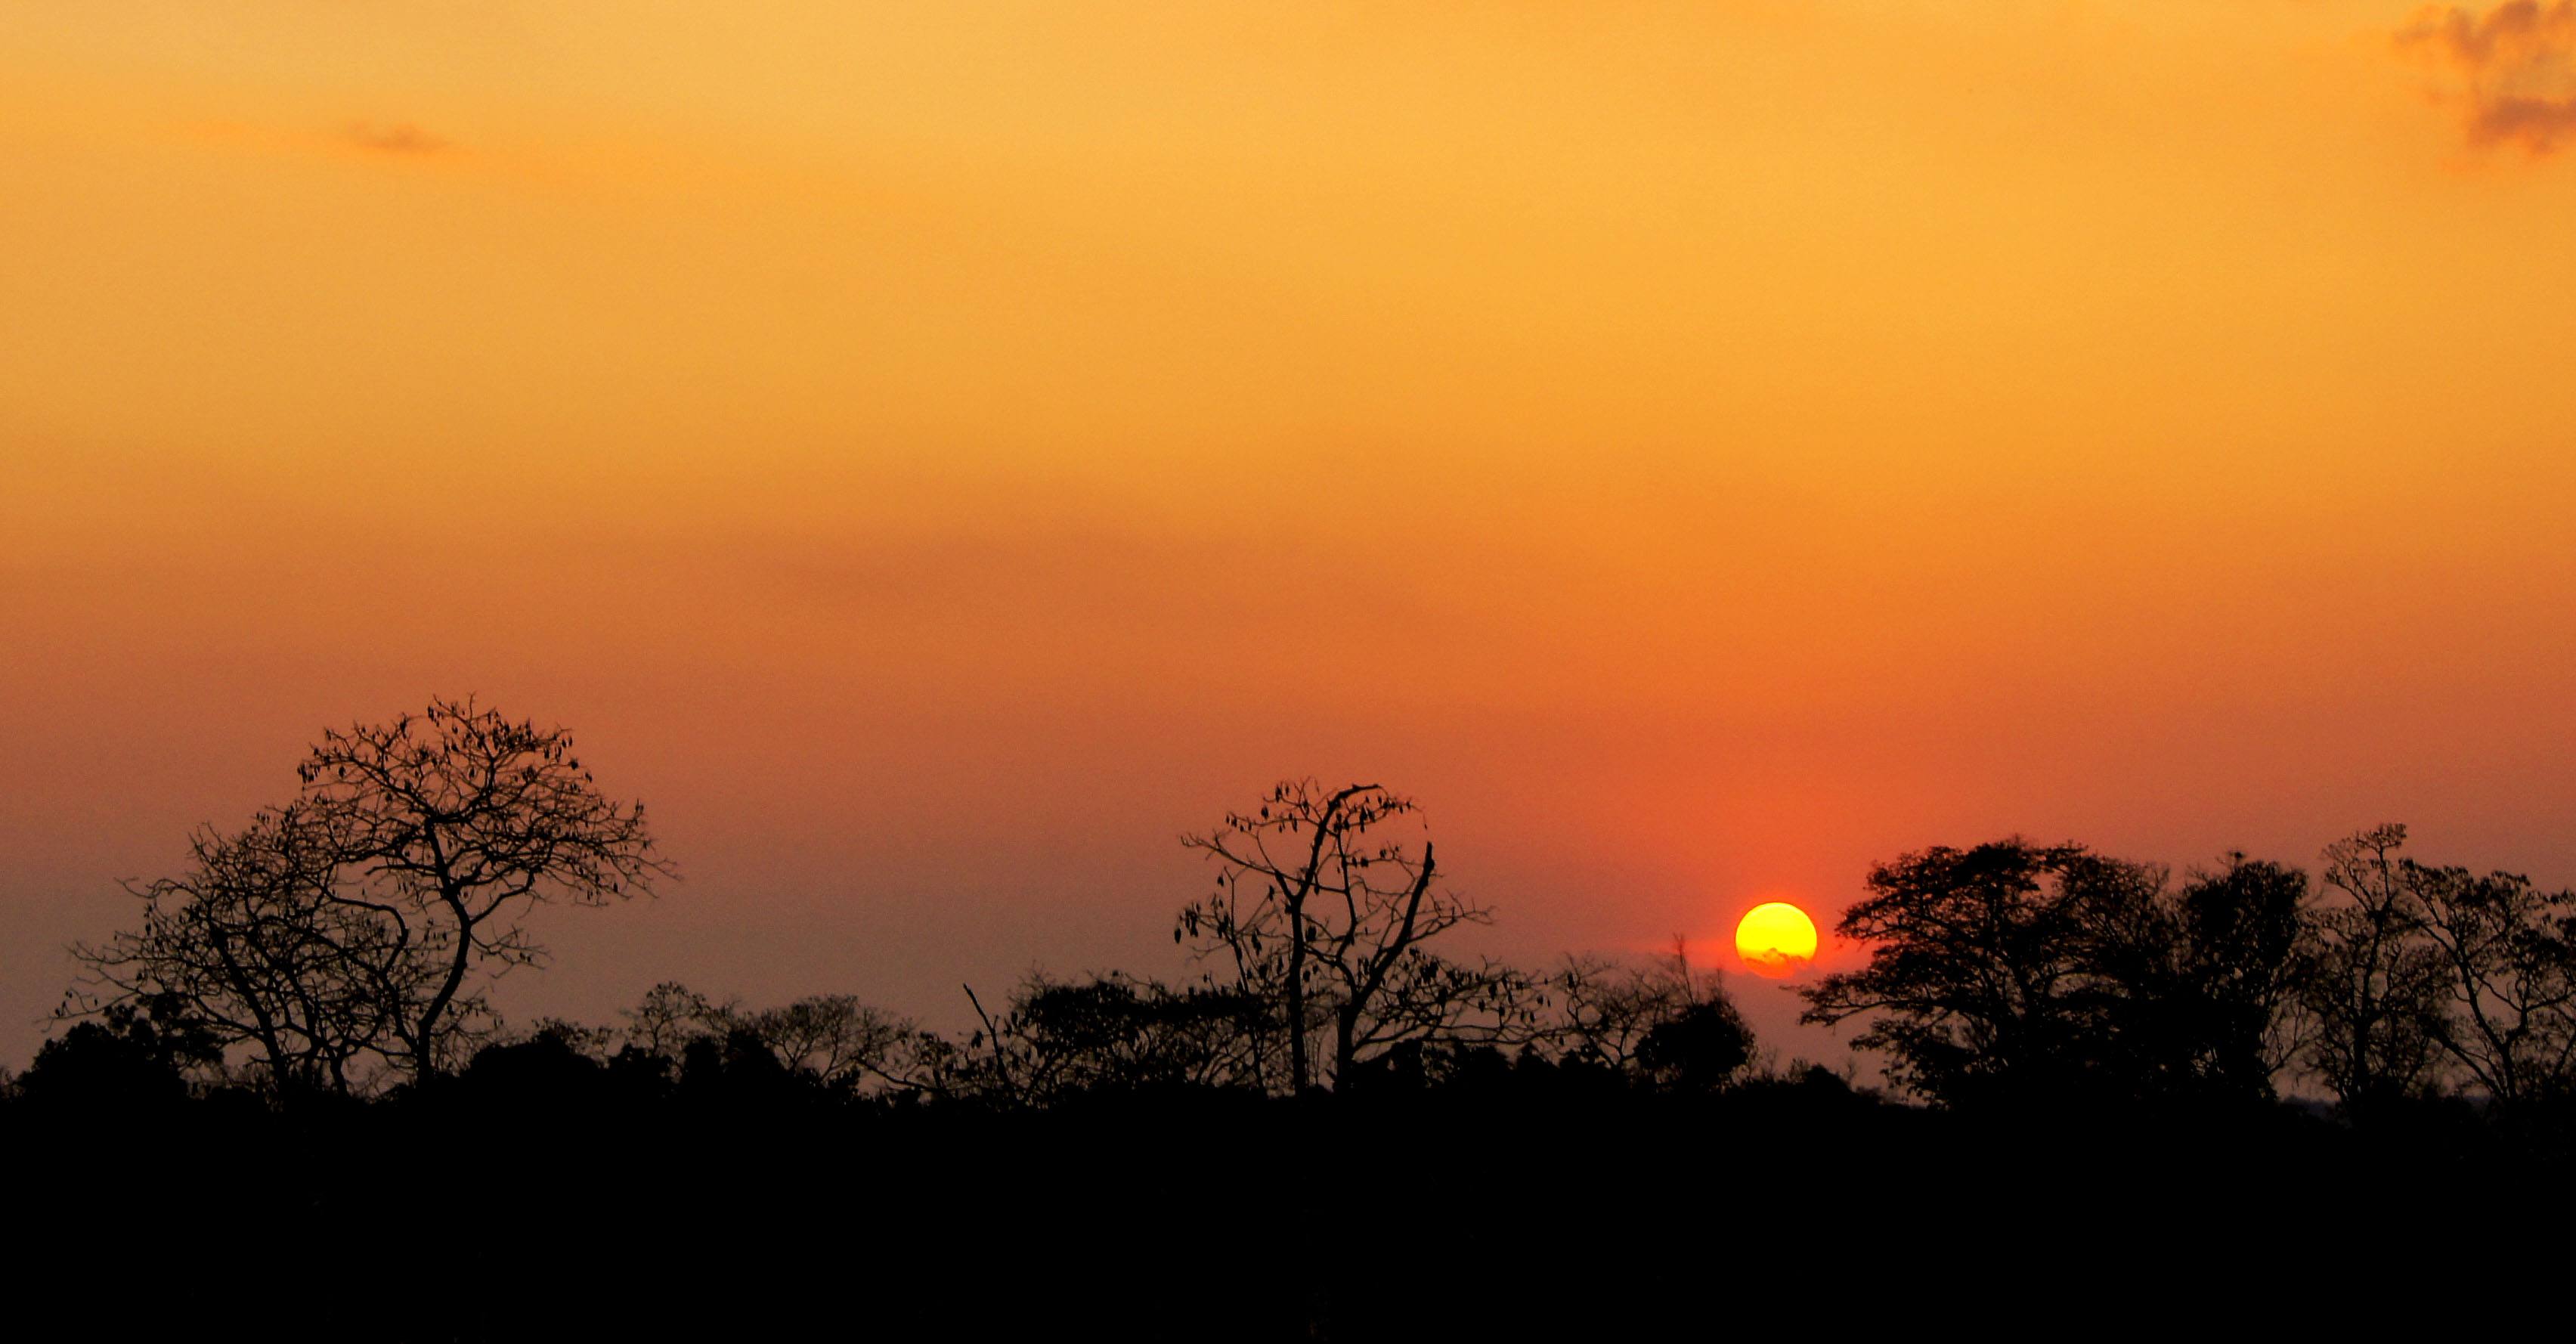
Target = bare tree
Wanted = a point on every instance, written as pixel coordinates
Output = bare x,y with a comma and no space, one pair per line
672,1015
846,1044
252,946
448,826
2376,987
2509,950
1605,1008
1317,912
833,1039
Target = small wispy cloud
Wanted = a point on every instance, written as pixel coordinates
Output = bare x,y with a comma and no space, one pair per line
2515,64
398,138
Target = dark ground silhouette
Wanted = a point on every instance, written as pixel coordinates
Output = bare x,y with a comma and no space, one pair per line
2242,1101
540,1192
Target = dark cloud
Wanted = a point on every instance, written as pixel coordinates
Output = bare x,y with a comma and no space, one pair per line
2516,66
400,138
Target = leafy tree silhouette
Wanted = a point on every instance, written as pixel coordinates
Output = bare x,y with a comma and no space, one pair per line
1121,1034
2014,972
1700,1049
132,1062
2245,954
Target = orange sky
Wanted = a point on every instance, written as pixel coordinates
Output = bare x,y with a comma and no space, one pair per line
938,453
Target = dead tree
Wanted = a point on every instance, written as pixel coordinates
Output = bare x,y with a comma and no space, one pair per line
1318,912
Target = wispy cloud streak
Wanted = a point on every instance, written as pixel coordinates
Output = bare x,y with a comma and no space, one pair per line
400,138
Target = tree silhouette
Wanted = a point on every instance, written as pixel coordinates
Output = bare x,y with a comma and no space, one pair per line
448,826
2377,986
1699,1050
2245,958
1316,912
2006,971
253,946
2021,972
1605,1011
836,1040
2509,952
672,1014
831,1040
134,1059
1118,1033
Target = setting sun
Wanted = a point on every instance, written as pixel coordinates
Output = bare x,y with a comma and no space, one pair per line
1776,939
1146,583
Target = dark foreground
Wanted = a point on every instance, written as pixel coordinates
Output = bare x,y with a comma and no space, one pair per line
537,1208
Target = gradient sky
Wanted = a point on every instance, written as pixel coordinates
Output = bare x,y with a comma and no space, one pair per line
937,453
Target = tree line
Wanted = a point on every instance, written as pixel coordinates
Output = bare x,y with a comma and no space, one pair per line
344,944
2013,972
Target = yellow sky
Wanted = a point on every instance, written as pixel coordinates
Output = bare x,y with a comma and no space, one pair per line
944,450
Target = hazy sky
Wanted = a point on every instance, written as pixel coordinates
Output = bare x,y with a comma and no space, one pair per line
936,454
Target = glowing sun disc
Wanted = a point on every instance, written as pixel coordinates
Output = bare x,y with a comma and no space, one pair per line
1776,939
